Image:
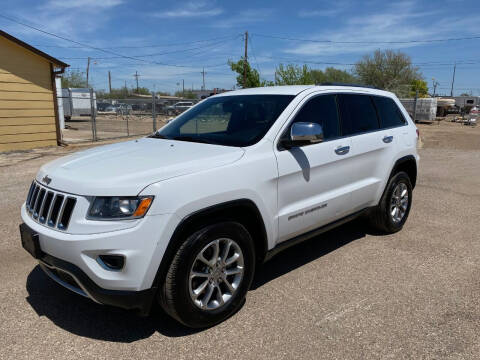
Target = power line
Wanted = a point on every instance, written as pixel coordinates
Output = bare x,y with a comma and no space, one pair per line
209,46
88,46
142,46
326,41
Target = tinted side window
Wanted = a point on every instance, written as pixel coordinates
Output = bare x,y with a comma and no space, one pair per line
388,111
357,113
321,110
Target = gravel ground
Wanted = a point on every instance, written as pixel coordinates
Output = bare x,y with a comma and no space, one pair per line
345,295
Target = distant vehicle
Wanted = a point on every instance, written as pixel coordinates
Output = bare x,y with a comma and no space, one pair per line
123,109
179,107
76,102
110,109
101,106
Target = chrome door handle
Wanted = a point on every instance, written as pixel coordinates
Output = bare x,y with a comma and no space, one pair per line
342,150
388,139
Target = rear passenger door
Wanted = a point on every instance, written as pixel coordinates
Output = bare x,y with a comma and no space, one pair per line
372,149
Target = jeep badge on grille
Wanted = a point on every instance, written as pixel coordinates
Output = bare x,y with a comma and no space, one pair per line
46,179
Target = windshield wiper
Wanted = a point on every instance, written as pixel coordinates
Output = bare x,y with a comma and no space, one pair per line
191,139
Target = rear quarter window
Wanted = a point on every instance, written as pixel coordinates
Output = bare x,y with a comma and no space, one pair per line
358,115
388,111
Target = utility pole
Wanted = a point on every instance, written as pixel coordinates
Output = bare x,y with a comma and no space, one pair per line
109,82
435,84
245,59
453,78
136,76
88,68
203,76
183,87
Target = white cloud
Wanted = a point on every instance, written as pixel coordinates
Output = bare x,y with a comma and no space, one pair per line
190,9
323,11
399,22
81,4
244,17
69,18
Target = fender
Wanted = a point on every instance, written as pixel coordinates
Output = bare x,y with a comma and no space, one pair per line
243,209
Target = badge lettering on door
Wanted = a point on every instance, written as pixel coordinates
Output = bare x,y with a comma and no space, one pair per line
306,212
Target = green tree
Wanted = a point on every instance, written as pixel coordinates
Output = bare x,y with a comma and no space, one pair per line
420,86
292,74
74,79
340,76
143,91
253,77
389,70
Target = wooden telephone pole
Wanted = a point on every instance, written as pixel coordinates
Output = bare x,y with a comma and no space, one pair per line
453,79
88,68
245,59
109,82
203,77
136,76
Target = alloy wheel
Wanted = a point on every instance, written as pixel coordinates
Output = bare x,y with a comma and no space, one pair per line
216,274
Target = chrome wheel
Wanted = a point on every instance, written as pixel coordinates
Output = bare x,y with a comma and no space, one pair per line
399,202
216,274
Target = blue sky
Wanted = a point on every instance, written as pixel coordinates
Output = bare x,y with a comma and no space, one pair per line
164,32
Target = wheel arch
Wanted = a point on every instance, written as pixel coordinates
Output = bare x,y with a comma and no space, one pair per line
243,211
407,164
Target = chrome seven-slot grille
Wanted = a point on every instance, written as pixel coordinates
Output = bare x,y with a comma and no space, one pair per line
49,207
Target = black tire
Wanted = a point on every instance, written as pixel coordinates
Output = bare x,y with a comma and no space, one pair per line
177,301
380,217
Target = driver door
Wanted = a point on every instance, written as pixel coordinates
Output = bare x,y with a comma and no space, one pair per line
313,183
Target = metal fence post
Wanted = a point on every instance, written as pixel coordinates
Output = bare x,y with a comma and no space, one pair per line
126,117
93,116
415,107
154,113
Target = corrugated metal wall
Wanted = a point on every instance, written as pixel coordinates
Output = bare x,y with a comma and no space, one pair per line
27,117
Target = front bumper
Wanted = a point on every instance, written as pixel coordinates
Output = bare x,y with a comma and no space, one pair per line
73,278
142,246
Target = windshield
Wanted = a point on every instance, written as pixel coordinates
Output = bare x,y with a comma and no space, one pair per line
240,120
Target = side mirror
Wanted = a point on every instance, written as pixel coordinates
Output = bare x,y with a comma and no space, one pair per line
304,133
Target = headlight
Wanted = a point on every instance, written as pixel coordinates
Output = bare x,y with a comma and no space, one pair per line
119,207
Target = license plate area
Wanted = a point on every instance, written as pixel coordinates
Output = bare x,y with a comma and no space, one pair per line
30,241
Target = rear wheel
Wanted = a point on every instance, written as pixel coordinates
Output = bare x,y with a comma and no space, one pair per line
391,213
210,275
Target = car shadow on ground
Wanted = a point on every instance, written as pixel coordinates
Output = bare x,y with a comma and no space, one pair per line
307,251
83,317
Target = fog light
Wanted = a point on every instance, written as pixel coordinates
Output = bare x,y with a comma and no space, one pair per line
111,262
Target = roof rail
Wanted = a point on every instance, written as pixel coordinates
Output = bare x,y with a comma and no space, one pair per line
345,84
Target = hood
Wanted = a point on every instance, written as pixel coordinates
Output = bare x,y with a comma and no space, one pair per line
128,167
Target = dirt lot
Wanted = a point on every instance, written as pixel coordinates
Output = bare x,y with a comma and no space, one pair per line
345,295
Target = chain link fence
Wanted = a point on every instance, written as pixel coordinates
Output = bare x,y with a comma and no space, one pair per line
87,118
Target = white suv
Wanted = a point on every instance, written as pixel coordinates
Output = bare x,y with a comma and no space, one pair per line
181,218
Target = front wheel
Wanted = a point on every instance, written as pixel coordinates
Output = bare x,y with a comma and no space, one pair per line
210,275
391,213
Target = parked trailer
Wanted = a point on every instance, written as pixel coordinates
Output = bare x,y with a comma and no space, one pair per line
466,103
426,108
76,102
